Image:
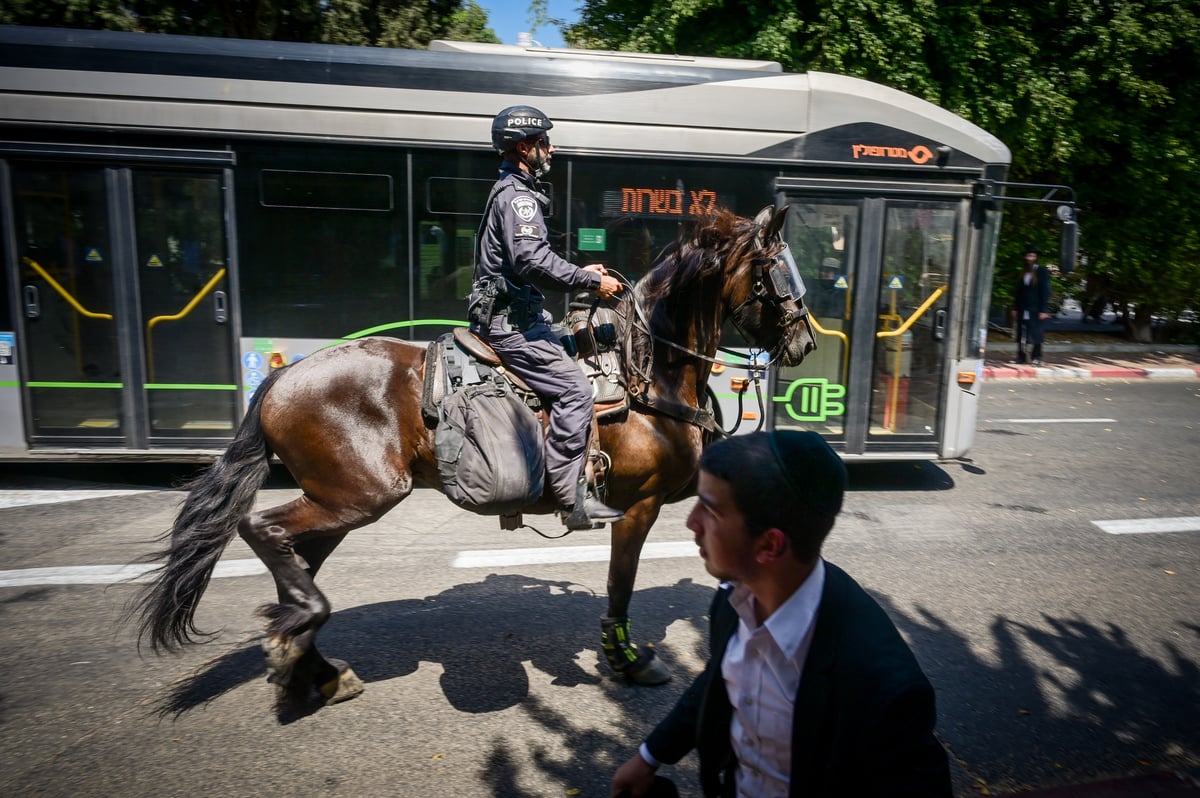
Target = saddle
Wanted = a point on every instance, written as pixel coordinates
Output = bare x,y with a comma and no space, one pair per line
462,358
490,425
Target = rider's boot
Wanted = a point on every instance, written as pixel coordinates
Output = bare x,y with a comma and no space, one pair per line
589,512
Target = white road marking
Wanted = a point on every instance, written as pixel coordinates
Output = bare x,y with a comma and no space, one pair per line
560,554
24,498
1059,420
109,574
1138,526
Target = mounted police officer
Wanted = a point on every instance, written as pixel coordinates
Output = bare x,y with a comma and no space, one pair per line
515,263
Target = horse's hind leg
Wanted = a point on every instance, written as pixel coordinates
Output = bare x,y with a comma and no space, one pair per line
332,679
293,540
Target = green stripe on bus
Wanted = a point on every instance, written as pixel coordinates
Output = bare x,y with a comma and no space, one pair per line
154,386
396,325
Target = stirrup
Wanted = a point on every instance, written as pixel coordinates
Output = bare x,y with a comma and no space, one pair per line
589,512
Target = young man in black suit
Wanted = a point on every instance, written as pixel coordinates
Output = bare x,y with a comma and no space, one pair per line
810,690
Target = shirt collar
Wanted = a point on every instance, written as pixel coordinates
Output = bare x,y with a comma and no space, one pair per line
789,625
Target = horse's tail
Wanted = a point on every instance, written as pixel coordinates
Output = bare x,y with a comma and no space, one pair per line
207,521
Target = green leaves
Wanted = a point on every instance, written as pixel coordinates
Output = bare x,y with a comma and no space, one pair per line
1096,94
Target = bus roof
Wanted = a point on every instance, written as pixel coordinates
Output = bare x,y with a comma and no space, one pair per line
601,102
704,62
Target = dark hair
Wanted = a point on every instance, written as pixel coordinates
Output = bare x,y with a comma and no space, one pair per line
790,480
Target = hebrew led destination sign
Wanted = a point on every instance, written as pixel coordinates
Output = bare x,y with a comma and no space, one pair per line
659,202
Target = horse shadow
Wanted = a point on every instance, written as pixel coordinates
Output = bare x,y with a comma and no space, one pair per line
481,633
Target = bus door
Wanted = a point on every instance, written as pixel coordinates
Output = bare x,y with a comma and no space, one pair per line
125,332
878,263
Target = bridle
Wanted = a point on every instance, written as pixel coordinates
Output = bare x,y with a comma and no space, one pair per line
787,288
783,295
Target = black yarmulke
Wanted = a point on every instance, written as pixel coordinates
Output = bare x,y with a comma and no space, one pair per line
812,469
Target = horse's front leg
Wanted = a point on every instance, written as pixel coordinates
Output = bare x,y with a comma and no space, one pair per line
623,654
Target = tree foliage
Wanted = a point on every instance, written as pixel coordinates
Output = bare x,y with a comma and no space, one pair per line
1095,94
376,23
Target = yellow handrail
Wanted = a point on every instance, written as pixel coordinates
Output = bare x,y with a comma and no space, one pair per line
150,324
812,320
80,309
903,328
894,392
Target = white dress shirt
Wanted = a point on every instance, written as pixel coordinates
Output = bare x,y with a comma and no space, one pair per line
761,668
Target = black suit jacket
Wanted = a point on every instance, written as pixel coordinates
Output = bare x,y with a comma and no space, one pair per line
1034,297
864,715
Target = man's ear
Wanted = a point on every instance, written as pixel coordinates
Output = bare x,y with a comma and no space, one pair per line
771,545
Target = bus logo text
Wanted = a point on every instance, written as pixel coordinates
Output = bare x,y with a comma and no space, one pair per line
918,154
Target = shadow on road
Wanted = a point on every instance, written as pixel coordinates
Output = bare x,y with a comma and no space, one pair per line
481,633
1053,699
1033,705
899,476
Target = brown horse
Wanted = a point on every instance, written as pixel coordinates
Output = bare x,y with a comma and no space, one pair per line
346,422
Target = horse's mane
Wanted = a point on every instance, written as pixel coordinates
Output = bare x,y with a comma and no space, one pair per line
696,254
683,290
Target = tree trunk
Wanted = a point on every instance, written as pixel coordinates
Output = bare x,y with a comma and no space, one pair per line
1138,325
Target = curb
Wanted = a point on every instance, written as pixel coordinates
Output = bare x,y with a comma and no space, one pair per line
1094,373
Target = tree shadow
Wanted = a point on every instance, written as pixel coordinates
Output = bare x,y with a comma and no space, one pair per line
481,633
1042,704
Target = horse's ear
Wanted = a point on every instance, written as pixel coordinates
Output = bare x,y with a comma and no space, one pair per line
772,220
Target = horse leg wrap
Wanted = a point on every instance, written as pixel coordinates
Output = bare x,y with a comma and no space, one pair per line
637,665
619,649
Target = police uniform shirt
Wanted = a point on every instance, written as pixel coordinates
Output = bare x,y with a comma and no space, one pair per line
515,242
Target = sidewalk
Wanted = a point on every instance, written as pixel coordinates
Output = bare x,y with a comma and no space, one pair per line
1066,362
1076,351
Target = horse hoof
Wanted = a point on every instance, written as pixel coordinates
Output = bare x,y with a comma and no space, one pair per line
648,674
343,687
281,655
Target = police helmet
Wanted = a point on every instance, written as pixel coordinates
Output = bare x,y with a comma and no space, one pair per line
517,123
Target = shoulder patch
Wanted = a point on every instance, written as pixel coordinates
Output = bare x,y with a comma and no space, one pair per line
525,208
531,231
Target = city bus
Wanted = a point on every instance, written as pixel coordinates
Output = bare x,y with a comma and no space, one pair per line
181,215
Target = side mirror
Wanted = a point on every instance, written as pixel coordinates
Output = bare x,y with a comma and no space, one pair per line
1069,242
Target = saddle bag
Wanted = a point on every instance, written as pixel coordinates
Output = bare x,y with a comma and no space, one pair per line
489,449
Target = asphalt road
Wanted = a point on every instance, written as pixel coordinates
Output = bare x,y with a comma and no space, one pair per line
1061,652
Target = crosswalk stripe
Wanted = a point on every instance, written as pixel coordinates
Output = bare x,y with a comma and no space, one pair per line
26,498
1137,526
110,574
562,554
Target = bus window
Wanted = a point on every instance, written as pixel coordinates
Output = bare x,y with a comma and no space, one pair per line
918,249
450,193
623,213
823,236
66,267
322,240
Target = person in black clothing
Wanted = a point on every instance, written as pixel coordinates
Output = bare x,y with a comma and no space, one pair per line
1031,306
809,690
515,262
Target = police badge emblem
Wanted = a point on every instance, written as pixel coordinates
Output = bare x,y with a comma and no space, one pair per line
525,208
